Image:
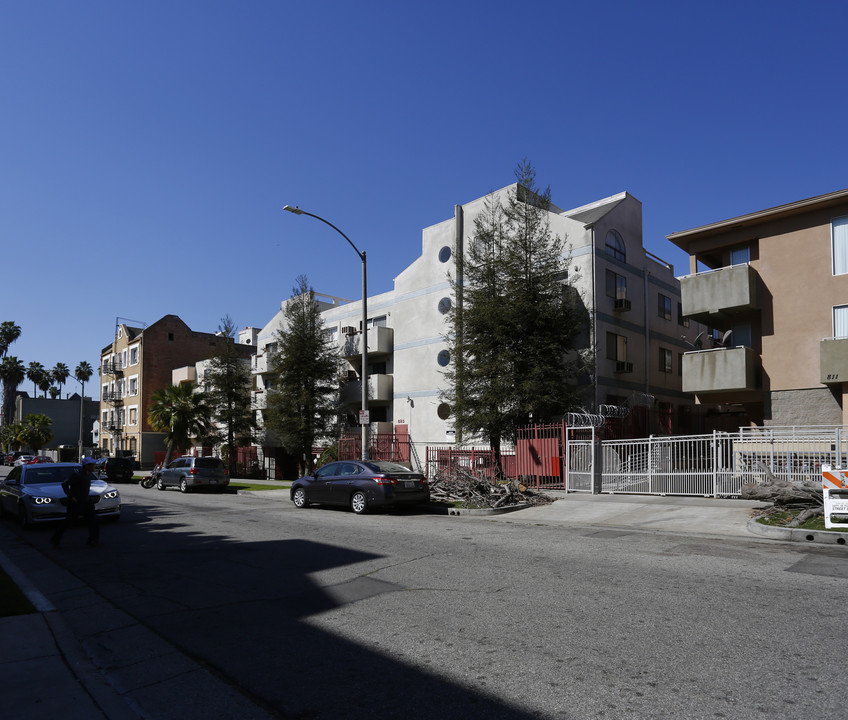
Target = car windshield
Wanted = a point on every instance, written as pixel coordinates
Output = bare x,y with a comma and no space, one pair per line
39,475
208,463
384,466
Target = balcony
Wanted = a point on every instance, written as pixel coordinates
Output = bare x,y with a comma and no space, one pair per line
833,360
260,363
380,390
187,374
112,397
711,297
381,341
112,367
723,370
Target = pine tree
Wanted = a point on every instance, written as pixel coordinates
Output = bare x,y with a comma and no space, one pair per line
515,321
303,404
228,381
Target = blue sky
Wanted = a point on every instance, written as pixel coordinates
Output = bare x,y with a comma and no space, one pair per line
148,148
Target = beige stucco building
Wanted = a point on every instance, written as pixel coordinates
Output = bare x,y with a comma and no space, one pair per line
774,286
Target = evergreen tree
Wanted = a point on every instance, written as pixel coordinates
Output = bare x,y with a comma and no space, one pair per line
303,403
514,326
228,382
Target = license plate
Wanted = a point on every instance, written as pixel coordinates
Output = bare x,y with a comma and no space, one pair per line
410,485
213,482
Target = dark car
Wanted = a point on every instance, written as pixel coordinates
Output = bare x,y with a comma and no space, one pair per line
117,469
34,493
190,472
361,485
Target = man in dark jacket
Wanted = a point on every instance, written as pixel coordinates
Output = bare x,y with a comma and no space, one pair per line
80,503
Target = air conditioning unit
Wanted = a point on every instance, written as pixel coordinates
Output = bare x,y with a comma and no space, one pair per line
349,330
623,367
622,304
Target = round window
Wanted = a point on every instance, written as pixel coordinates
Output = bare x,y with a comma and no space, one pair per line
444,358
444,305
444,254
444,411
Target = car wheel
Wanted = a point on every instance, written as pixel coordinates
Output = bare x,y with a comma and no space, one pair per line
358,502
23,516
160,483
184,488
299,498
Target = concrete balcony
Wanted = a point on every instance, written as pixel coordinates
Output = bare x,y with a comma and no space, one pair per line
711,297
184,374
381,341
833,360
259,363
723,370
380,390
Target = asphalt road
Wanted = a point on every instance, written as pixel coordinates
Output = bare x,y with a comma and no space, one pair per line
319,613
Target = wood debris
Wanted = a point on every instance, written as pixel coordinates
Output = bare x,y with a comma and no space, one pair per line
479,490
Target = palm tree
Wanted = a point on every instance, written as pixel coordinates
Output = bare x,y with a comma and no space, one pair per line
9,332
60,374
180,413
10,436
82,373
36,431
12,373
35,372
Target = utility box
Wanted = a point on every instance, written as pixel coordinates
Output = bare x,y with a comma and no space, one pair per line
835,494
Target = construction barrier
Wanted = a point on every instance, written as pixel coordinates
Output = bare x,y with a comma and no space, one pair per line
835,493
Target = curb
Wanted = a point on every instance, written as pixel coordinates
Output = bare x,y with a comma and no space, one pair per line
828,537
487,511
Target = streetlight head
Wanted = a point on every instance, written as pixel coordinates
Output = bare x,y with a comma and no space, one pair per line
295,210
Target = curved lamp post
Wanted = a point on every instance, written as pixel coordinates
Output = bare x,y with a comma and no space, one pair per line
363,375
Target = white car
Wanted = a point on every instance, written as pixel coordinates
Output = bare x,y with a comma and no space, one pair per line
24,460
34,493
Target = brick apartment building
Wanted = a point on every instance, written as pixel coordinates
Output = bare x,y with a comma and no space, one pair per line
138,362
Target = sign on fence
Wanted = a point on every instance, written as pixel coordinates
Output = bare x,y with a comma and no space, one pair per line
834,481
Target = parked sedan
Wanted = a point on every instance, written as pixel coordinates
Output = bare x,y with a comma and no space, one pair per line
361,485
24,460
188,473
34,493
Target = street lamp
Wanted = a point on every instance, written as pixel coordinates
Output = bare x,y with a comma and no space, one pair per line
363,375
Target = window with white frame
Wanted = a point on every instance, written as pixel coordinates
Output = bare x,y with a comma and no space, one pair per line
134,355
839,239
133,415
840,321
133,385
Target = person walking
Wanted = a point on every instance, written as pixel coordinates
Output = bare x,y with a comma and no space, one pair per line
80,503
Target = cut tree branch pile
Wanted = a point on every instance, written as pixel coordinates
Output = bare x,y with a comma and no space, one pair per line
785,493
476,490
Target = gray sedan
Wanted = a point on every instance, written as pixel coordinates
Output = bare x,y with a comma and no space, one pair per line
34,493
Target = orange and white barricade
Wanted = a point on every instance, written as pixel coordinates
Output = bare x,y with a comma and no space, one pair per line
835,492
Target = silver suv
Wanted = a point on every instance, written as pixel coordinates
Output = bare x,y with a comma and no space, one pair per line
190,472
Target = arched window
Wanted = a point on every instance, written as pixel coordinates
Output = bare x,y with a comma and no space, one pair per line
615,246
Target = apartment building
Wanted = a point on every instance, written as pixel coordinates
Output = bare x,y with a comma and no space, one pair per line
138,362
634,325
773,285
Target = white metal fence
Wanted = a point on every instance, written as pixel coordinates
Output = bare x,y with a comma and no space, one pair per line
718,464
